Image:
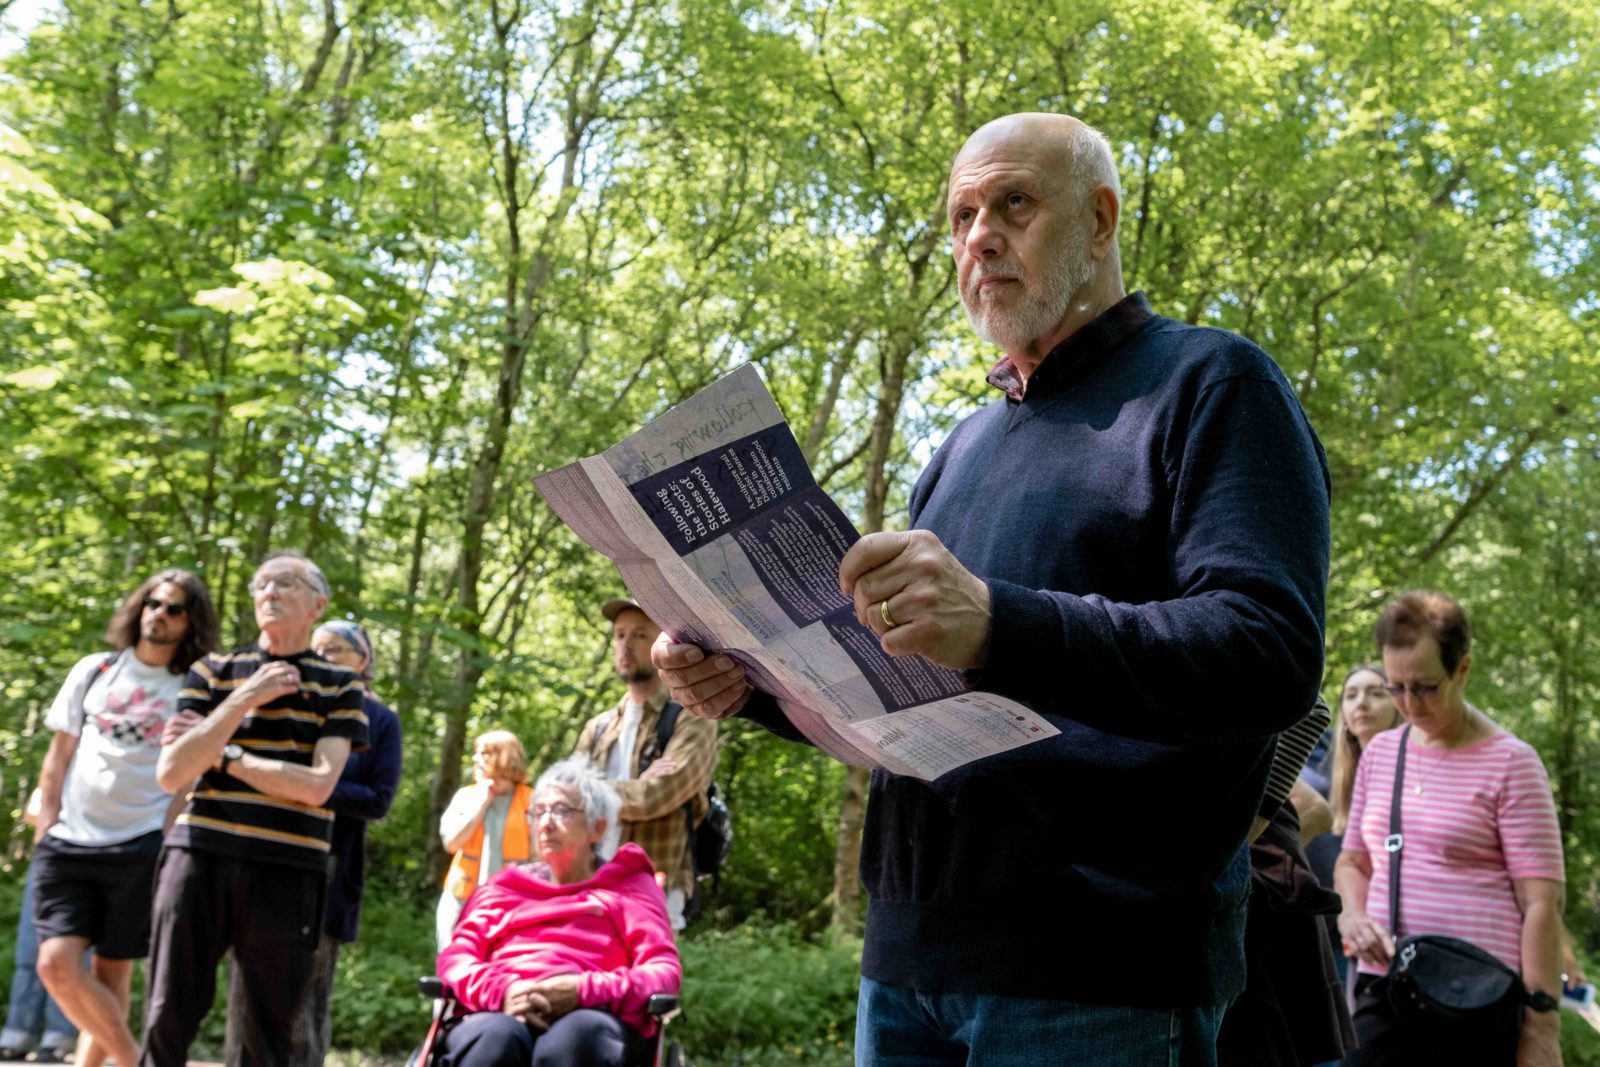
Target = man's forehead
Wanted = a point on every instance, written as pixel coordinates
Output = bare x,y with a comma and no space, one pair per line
979,174
281,567
1038,144
172,591
630,619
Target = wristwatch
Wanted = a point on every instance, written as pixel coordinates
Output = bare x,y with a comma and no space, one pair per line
1542,1001
229,754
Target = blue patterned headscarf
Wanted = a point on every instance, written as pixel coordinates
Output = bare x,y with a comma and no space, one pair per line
353,635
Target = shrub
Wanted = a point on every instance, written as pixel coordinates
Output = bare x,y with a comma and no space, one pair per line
756,995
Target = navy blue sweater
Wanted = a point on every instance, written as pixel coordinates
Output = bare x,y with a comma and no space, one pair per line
1152,522
364,793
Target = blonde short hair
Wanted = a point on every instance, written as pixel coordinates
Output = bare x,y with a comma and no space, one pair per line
507,758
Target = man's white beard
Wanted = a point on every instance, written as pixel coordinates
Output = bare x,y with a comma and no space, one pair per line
1042,305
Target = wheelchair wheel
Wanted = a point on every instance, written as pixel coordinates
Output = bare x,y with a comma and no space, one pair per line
673,1056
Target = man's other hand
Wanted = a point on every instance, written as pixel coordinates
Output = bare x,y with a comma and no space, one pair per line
713,687
939,609
658,768
179,725
271,680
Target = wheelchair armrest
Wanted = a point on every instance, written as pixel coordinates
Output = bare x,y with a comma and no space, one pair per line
661,1004
433,988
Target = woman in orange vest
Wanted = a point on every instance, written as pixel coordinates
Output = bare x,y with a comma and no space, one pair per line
486,825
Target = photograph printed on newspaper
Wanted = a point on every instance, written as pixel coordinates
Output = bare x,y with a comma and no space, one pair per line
723,537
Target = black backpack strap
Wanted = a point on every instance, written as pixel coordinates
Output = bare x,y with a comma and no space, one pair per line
600,726
1395,842
99,672
667,723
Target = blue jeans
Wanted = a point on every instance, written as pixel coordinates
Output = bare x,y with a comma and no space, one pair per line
899,1027
30,1004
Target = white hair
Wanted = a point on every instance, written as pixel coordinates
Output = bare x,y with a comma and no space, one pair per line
1092,161
595,795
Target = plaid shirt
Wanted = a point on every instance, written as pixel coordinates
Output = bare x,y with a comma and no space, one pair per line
652,810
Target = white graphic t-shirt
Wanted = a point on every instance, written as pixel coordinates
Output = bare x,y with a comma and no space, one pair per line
110,794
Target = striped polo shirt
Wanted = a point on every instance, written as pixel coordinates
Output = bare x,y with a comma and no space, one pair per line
1483,818
227,816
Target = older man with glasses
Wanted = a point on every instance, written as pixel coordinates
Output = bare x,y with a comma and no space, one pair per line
102,808
246,865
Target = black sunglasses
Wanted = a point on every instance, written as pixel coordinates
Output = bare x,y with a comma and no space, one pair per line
172,607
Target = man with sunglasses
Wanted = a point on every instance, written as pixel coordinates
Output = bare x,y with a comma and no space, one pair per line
103,810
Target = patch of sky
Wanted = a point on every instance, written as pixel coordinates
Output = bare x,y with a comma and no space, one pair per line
20,19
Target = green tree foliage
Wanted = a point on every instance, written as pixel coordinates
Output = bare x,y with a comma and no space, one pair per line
345,274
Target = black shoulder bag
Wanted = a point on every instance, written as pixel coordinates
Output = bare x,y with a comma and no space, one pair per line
1436,977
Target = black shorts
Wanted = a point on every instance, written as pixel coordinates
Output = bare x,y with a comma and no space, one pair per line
101,893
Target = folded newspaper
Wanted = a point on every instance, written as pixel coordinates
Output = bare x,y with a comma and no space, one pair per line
724,538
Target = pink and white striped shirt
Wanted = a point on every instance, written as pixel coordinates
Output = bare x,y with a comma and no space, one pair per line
1484,817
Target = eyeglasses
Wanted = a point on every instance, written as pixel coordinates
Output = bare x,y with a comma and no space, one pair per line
284,582
330,651
1420,690
171,607
559,812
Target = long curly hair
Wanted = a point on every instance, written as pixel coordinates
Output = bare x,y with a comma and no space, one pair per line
203,635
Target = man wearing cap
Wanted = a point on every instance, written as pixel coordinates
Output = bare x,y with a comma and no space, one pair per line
662,788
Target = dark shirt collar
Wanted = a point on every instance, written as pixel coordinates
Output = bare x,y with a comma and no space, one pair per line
1064,363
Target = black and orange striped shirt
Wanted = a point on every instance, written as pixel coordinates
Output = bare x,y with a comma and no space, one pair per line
227,816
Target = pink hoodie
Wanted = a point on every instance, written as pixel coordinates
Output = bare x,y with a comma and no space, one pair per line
612,931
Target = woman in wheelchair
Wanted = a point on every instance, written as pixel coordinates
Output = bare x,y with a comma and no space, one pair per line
556,958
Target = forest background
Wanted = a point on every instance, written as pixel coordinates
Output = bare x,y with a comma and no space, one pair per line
343,275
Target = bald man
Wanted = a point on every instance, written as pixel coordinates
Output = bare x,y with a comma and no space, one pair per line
1133,540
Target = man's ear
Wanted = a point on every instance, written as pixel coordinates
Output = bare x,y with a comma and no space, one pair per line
1107,212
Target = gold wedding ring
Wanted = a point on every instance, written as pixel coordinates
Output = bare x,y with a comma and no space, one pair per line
883,609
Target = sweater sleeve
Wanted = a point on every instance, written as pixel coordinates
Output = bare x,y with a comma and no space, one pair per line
647,931
474,979
762,709
368,794
1248,547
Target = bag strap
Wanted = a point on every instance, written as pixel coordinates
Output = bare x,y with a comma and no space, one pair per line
667,723
1395,842
664,727
601,725
89,683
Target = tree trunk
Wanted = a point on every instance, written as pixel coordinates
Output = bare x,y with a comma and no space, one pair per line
846,918
525,285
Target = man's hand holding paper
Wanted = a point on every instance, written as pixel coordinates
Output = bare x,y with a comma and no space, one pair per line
937,609
712,687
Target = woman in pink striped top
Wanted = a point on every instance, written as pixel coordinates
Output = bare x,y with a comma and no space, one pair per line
1482,847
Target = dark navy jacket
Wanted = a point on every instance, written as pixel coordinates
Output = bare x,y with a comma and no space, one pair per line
364,793
1152,522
